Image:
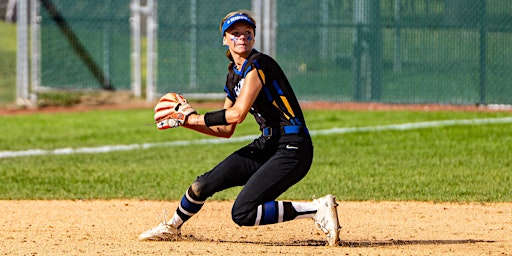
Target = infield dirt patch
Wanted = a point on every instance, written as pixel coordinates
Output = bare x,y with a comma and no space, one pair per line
100,227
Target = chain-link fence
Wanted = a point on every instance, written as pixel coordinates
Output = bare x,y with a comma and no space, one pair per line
396,51
85,44
190,52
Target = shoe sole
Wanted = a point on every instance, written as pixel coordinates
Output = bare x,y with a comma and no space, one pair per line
335,238
162,237
157,238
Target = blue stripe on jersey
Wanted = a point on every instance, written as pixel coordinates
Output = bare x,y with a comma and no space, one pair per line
269,95
278,89
257,64
239,72
247,71
229,95
269,213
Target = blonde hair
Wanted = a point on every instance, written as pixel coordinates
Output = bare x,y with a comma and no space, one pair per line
244,12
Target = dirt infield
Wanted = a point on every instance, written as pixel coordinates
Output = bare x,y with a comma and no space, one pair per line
101,227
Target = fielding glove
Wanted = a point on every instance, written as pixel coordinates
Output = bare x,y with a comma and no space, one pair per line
172,111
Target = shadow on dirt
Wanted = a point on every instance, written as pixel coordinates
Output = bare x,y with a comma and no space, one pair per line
409,242
391,242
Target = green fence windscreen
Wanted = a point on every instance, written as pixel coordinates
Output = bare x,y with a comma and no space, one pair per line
85,44
393,51
191,57
401,51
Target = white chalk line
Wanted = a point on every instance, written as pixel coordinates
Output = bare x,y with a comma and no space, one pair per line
112,148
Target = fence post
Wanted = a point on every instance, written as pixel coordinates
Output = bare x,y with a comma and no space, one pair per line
149,13
151,30
367,50
193,44
265,14
135,21
397,62
482,26
22,60
356,63
375,39
35,46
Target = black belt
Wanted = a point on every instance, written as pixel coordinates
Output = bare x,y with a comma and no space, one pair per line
283,130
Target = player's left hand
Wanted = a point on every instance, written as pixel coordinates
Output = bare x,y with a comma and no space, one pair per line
172,111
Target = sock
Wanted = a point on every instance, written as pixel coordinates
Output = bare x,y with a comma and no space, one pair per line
305,209
278,211
189,205
176,220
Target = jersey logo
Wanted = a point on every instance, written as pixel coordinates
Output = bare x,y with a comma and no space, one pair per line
238,87
290,147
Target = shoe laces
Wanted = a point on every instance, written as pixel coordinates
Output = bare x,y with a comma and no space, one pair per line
163,217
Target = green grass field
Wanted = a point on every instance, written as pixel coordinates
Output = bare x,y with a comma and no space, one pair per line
459,163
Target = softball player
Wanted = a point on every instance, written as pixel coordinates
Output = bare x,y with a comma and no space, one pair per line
268,166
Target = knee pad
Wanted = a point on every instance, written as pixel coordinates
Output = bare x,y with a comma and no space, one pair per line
195,190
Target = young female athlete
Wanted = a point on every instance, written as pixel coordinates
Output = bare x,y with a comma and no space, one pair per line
268,166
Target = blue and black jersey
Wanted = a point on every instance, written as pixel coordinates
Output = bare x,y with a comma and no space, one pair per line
276,104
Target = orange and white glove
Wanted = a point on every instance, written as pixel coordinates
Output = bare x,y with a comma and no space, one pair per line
171,111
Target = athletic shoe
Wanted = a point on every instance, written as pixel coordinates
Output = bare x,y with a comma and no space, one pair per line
326,218
162,232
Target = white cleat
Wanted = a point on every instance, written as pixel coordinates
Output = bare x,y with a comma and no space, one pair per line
162,232
326,218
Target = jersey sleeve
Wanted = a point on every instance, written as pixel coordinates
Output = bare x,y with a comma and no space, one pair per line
229,94
277,90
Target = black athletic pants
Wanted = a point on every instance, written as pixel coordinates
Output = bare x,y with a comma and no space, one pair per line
266,168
